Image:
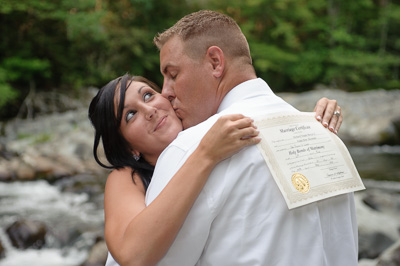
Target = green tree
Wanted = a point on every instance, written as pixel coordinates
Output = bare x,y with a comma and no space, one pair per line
295,44
79,43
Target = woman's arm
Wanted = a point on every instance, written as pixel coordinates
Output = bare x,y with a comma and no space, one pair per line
139,235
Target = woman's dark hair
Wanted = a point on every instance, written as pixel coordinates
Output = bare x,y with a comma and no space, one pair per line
107,124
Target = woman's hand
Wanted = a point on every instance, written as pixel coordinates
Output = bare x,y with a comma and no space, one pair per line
228,135
329,113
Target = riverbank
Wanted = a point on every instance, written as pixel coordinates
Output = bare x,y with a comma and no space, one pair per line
49,179
378,216
370,117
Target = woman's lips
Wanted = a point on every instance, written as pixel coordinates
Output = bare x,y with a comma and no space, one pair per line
161,123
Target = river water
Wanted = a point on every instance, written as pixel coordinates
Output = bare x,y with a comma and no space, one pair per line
378,162
66,212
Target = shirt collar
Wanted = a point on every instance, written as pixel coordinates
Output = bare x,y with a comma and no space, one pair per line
245,90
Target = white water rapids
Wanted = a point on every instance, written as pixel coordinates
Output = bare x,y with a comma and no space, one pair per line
66,213
61,212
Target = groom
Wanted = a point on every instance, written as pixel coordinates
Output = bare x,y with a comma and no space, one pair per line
240,218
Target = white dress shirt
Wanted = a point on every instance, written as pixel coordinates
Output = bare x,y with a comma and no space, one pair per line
240,217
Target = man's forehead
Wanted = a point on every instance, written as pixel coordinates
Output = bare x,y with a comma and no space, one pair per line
173,46
170,53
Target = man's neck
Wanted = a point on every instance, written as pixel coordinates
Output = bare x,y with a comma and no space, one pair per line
233,78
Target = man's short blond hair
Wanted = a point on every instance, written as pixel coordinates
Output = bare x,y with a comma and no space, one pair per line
203,29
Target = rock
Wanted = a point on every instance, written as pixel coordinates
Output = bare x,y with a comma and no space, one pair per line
5,174
378,226
82,183
27,234
54,145
56,101
369,117
391,257
57,146
396,125
393,187
49,146
4,153
2,251
384,202
65,237
367,262
370,246
25,172
97,255
370,221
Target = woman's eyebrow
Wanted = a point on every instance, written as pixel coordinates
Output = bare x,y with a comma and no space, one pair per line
140,89
139,92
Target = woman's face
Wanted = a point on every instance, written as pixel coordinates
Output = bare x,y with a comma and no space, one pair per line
149,123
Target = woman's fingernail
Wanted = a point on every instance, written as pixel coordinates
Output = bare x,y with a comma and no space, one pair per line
319,118
325,124
331,129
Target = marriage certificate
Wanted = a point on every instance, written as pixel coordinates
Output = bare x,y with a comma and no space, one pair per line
308,162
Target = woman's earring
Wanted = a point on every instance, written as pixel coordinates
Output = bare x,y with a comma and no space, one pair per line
136,157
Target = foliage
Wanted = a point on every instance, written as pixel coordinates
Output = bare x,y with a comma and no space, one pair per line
6,91
295,44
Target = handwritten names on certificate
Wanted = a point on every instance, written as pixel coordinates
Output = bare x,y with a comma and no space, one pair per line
307,161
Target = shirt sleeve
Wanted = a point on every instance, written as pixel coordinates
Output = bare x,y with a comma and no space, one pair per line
169,162
192,237
174,156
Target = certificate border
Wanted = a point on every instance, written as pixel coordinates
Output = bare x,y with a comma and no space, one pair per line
295,198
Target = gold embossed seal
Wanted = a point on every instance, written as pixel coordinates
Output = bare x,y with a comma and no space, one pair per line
300,182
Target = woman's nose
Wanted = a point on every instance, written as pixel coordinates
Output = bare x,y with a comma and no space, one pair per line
150,112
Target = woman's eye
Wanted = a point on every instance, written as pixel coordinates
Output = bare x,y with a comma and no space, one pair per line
147,96
129,115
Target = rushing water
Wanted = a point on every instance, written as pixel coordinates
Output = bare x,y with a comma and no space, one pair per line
378,162
68,212
62,212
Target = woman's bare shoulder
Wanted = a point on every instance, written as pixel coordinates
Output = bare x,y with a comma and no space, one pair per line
124,179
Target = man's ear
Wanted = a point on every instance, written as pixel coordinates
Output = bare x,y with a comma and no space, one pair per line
217,59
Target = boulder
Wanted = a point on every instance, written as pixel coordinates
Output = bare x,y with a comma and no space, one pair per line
5,174
391,257
25,171
388,202
82,183
50,146
63,237
97,254
55,145
367,262
372,245
2,251
370,117
378,219
27,234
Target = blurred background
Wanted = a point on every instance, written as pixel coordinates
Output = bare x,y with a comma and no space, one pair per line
55,55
